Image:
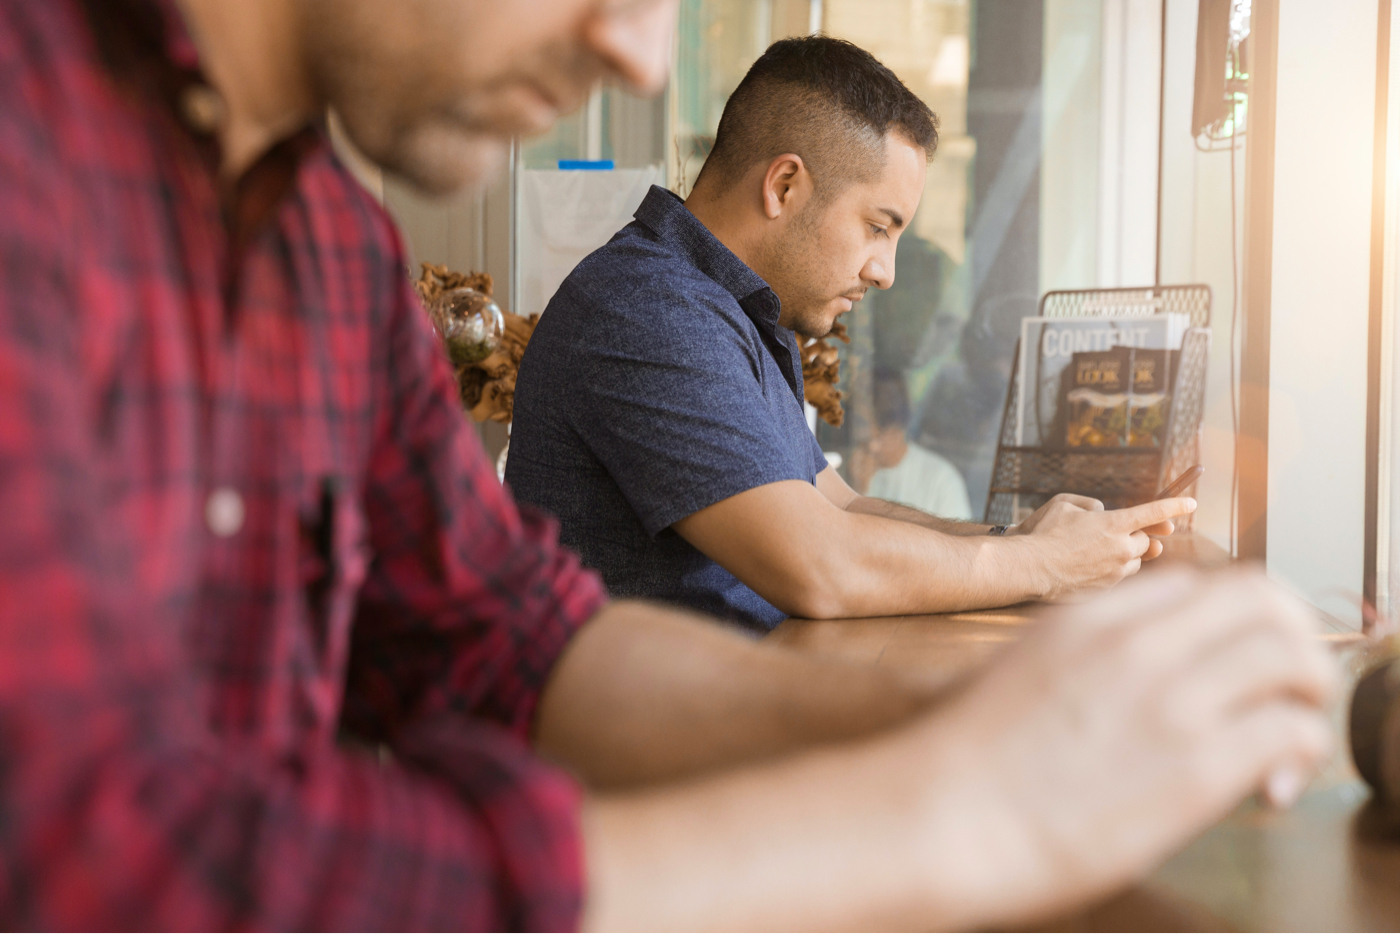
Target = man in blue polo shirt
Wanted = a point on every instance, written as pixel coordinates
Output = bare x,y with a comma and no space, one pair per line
658,409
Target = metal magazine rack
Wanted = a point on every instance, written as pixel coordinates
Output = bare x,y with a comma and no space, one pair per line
1024,477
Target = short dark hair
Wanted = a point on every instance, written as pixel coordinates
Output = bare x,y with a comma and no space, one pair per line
891,398
827,100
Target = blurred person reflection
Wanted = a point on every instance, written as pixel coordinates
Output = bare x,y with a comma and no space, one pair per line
892,468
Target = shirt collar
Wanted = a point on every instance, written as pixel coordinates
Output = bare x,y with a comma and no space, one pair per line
665,214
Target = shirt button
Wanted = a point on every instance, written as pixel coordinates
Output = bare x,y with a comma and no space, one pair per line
202,108
224,512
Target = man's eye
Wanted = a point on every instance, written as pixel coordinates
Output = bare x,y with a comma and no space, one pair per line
879,231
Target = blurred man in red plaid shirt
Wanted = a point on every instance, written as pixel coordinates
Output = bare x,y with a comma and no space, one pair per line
243,516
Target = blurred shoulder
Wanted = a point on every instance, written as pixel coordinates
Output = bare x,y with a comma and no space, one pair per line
52,88
40,32
46,54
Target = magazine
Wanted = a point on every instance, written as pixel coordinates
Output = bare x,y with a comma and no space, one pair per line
1075,389
1153,374
1093,407
1115,398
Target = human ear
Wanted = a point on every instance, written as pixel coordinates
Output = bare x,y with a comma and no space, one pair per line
785,184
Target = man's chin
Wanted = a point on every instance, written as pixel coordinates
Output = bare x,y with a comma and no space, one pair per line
441,162
816,328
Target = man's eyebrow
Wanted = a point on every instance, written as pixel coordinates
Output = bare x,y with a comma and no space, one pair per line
896,218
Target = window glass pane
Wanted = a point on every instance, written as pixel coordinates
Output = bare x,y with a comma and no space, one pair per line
563,215
908,342
718,40
613,125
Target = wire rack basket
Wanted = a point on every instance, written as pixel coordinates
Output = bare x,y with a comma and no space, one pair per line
1024,477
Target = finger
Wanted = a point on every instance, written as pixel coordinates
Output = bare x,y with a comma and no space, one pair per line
1161,528
1087,503
1139,544
1226,605
1285,785
1257,667
1243,757
1156,624
1153,513
1124,606
1153,550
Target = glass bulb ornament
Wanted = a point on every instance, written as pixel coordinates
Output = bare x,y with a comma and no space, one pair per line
470,323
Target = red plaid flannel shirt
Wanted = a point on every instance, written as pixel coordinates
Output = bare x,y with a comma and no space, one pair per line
240,512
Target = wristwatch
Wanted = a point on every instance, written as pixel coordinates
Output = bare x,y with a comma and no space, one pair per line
998,530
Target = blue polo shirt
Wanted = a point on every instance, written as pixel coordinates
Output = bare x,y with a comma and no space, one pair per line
657,383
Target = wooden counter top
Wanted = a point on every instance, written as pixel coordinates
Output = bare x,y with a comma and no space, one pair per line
1331,863
948,644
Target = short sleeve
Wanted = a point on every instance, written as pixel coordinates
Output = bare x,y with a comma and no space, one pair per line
678,415
818,455
470,600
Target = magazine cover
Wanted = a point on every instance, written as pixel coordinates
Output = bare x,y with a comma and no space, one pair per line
1149,401
1115,398
1094,399
1050,348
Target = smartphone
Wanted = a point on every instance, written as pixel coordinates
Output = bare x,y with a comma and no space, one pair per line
1181,483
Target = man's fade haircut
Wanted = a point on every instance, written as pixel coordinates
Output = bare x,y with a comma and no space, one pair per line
827,100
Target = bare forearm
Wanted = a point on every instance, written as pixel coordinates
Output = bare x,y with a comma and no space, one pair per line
802,549
646,694
828,840
878,567
879,507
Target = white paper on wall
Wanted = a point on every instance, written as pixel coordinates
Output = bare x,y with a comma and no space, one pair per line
565,215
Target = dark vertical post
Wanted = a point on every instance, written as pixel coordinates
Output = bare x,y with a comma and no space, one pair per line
1258,283
1373,331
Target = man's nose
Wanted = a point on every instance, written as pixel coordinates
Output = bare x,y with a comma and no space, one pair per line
635,43
879,272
